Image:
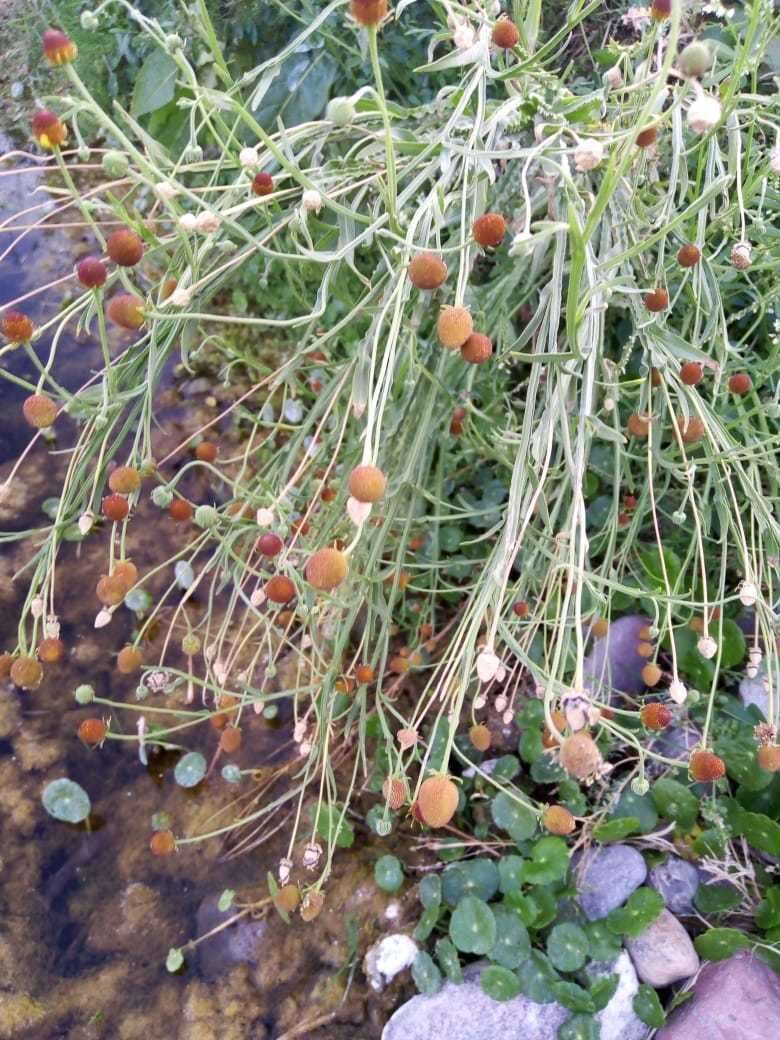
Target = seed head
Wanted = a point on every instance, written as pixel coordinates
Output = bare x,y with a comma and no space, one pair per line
230,740
269,544
125,480
180,511
740,383
427,271
125,247
263,184
768,756
691,430
92,731
741,256
111,590
364,673
312,905
127,572
647,137
695,59
395,792
707,647
340,111
39,411
520,608
489,230
26,673
588,155
162,843
437,800
58,48
638,425
580,756
660,10
17,327
48,130
655,715
367,483
657,300
279,589
688,255
368,12
477,349
114,507
706,765
287,899
129,660
480,737
704,114
454,326
126,310
556,819
505,34
51,650
691,373
91,272
207,451
326,569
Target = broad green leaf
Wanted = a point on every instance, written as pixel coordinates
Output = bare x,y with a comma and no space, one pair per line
761,832
603,990
475,877
639,806
580,1027
675,802
714,899
510,874
616,829
155,84
429,891
388,873
448,959
647,1007
331,826
567,948
653,566
719,943
549,861
428,921
517,820
190,769
499,983
427,977
604,944
473,926
536,976
640,910
573,997
66,800
512,945
768,910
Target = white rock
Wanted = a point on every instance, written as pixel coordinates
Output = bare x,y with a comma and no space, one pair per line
387,958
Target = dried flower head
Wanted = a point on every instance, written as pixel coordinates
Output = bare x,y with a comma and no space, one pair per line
17,327
588,155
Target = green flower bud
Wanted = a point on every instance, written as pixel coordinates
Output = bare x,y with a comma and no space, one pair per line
340,111
695,59
115,164
206,516
84,694
162,497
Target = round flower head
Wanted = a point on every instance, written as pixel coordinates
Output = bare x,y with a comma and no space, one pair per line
91,272
125,247
340,111
311,200
49,131
126,310
646,137
437,800
477,349
489,229
660,10
704,114
695,59
688,255
367,483
58,48
707,647
39,411
740,383
588,155
248,157
17,327
427,271
368,12
505,34
614,77
263,184
741,256
454,326
326,569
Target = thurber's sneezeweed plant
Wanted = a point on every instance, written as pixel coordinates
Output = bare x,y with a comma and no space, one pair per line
503,398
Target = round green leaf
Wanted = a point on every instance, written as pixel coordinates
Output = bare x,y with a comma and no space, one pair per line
647,1007
616,829
675,802
549,861
640,806
190,769
174,960
536,976
516,819
715,899
66,800
448,959
719,943
499,983
388,873
473,926
512,944
567,947
604,944
427,977
761,832
573,997
429,891
510,874
640,910
579,1027
471,877
427,922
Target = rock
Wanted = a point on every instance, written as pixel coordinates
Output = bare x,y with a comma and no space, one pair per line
618,1020
663,953
233,1010
387,958
756,691
606,877
677,881
613,665
735,999
18,1013
464,1012
237,944
122,923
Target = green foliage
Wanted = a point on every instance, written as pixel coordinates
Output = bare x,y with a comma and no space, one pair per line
675,802
499,983
66,800
567,947
717,944
427,977
473,926
388,873
648,1007
517,820
641,908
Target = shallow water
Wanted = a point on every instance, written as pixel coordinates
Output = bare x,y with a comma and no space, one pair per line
87,915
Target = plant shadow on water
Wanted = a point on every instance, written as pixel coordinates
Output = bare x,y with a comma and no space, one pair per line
88,912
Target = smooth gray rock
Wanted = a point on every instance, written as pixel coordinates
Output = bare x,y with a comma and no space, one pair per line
239,943
613,665
606,877
663,953
735,999
677,881
464,1012
618,1021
